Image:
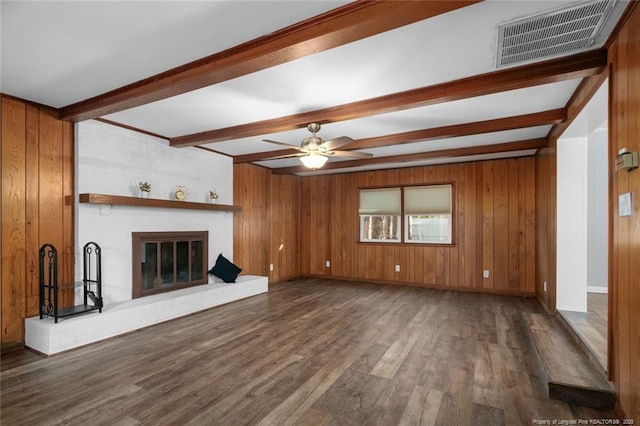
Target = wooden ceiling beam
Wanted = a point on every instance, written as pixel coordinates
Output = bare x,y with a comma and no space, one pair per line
265,155
579,100
454,152
579,65
351,22
542,118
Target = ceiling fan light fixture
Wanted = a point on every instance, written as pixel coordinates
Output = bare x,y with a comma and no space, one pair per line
313,160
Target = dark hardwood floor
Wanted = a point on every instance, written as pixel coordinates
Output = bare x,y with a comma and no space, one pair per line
591,326
309,352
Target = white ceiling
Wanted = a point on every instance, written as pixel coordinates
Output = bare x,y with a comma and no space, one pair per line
58,53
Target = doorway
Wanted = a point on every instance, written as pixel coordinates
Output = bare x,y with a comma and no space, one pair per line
582,226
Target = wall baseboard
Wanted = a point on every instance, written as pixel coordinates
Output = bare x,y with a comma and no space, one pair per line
592,289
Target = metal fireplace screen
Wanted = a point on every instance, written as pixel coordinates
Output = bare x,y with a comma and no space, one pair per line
167,261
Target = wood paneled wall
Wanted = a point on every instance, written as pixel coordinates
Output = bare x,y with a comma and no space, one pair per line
546,208
494,229
284,219
37,207
624,132
266,231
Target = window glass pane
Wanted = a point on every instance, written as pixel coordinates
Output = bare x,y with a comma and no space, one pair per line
428,228
380,228
182,259
166,264
149,264
196,260
384,201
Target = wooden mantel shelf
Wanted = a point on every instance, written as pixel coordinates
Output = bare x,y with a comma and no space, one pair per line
119,200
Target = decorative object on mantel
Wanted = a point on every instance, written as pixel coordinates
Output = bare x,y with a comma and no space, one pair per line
145,188
213,196
180,193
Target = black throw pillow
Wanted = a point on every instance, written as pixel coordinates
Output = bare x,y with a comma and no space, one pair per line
225,269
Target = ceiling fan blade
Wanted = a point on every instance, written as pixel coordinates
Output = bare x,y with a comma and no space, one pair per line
351,154
279,157
283,144
332,144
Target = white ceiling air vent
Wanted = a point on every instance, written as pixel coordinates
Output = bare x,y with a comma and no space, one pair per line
566,30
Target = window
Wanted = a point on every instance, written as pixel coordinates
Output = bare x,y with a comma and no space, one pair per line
380,214
413,214
427,212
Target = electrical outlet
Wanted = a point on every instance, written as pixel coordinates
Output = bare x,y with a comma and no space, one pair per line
271,267
397,268
545,286
485,273
327,264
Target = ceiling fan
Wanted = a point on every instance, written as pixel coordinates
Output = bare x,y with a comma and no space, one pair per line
314,151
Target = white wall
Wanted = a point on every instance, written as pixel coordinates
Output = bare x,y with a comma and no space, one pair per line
598,211
572,225
112,160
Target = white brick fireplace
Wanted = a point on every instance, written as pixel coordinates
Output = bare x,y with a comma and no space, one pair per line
112,160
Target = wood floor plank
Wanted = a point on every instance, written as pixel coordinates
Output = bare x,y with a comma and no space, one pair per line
311,351
398,351
591,326
422,407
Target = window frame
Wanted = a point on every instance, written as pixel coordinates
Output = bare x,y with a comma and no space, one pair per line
403,241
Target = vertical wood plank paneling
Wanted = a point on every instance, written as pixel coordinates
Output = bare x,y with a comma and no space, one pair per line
612,327
305,218
319,237
352,231
514,227
360,250
32,198
441,270
634,231
625,240
309,234
273,230
13,220
530,225
487,223
456,266
500,225
458,236
239,237
68,217
39,176
522,236
50,183
623,237
251,237
480,196
283,227
546,210
470,225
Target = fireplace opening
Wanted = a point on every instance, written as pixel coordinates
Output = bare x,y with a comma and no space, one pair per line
167,261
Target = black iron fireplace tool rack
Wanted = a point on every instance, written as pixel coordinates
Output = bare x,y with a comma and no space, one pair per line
50,288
